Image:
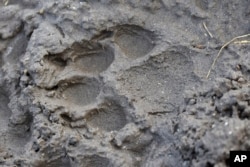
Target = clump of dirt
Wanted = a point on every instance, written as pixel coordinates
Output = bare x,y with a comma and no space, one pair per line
113,83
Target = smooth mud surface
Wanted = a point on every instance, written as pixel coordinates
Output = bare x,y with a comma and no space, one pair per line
113,83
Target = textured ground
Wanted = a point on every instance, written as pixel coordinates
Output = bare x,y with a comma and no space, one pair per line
95,83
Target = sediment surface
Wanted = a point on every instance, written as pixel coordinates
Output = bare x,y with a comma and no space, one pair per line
95,83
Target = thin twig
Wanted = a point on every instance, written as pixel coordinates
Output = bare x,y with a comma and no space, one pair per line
5,2
209,33
225,45
243,42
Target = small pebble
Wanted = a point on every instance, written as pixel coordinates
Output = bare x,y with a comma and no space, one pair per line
192,102
41,11
25,71
241,80
51,94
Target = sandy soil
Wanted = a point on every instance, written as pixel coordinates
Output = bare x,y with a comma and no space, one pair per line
114,83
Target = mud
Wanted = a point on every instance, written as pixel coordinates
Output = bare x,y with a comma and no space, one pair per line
123,83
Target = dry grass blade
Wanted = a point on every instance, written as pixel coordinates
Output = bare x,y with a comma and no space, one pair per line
209,33
244,42
221,49
6,2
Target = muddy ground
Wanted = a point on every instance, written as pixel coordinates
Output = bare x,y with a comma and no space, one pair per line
114,83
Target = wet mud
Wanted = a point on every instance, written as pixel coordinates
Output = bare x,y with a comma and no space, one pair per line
93,83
